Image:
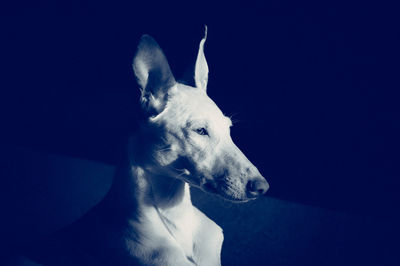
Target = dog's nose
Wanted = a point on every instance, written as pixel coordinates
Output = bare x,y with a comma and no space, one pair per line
257,187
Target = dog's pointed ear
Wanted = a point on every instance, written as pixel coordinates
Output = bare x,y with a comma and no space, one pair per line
201,68
153,74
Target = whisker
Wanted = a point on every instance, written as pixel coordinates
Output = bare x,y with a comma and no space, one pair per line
234,121
165,149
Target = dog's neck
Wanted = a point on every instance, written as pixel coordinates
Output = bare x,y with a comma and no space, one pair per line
153,202
140,183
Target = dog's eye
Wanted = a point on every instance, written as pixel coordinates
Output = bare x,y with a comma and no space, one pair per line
202,131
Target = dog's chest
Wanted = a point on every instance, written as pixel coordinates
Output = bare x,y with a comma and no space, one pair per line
182,227
198,236
207,241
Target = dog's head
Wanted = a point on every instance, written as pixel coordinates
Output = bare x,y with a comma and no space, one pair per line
191,136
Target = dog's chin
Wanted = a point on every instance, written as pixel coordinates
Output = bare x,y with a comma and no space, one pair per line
213,189
234,200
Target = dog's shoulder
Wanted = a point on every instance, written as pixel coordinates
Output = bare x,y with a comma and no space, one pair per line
207,240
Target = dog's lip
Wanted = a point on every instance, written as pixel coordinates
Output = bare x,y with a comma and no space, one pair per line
251,196
210,187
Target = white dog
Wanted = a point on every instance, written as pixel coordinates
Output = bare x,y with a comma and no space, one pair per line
147,217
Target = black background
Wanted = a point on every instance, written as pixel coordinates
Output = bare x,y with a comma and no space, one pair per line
313,86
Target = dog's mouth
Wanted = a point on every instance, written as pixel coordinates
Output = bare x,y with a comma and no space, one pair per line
212,184
212,187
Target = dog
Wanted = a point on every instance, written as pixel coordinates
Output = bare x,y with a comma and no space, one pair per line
147,217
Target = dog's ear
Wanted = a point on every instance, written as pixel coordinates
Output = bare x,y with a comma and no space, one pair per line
201,68
153,74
